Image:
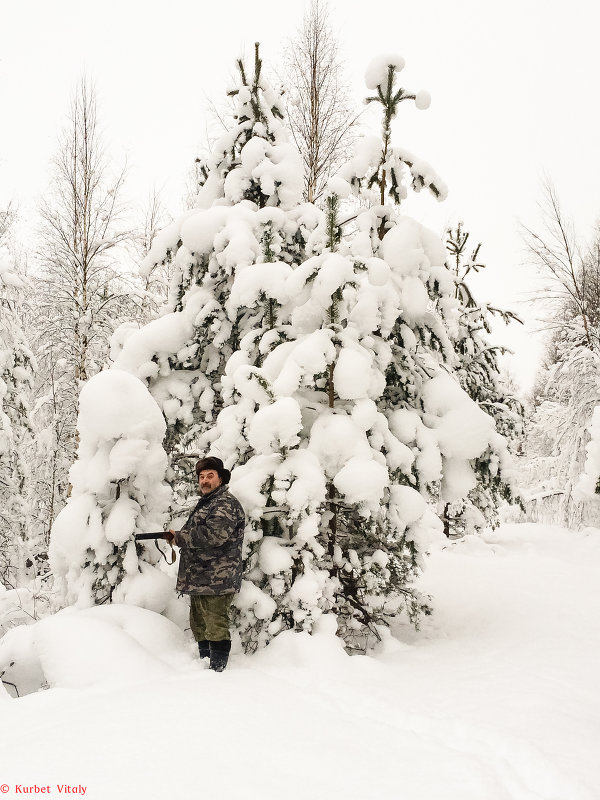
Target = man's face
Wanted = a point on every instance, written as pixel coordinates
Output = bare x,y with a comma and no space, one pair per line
208,480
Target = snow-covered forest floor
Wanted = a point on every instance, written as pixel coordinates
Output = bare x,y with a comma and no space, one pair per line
495,698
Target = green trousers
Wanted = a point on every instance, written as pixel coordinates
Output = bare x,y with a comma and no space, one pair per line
209,617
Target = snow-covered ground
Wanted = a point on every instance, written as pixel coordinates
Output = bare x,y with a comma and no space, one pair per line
496,698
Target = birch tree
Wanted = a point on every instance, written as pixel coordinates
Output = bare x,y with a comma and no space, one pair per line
80,293
155,278
568,267
321,116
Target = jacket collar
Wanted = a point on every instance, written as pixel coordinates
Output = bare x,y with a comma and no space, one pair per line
205,498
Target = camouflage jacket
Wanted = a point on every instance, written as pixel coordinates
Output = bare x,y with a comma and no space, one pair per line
211,546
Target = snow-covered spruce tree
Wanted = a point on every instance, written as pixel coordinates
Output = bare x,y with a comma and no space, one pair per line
480,375
428,330
20,555
118,490
352,428
248,210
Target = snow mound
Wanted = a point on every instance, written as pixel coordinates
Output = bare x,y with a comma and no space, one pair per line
76,649
302,650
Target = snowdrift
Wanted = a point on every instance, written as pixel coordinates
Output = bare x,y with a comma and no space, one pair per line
495,698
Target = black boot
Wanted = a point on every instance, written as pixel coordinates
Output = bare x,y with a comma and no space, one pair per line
219,654
204,648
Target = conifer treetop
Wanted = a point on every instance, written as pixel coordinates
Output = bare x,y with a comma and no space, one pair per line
379,169
255,160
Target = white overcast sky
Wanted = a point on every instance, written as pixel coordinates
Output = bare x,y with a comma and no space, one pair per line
514,87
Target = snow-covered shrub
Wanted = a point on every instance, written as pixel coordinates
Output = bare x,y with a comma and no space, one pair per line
558,435
589,483
20,555
107,645
118,490
30,601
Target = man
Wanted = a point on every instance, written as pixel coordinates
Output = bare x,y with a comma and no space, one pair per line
210,564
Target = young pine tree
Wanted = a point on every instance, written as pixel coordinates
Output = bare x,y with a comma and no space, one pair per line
480,375
118,490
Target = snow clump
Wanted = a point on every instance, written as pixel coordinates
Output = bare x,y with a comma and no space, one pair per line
377,72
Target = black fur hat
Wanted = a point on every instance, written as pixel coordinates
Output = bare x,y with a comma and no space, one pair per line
212,462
